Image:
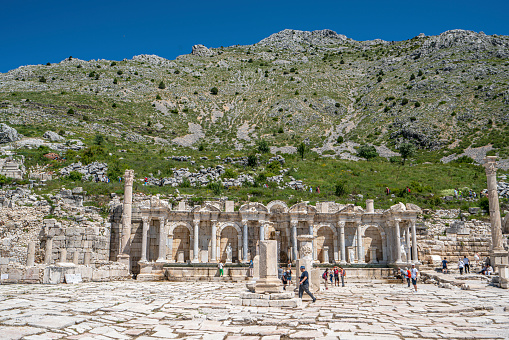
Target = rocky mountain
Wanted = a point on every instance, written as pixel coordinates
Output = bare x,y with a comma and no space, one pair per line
447,94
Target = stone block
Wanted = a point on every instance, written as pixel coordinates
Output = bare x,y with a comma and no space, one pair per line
259,303
295,302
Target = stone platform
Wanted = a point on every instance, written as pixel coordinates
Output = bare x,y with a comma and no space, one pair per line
285,299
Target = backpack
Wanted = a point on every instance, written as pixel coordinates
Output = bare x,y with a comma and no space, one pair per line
324,275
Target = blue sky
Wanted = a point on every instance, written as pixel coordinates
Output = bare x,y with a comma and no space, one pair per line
36,32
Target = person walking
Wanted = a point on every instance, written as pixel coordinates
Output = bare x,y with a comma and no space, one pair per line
284,280
289,275
413,275
336,276
280,272
304,283
408,276
461,265
220,266
342,273
444,266
466,262
325,277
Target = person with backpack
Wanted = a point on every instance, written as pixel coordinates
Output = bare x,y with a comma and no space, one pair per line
304,283
408,276
461,265
325,277
284,280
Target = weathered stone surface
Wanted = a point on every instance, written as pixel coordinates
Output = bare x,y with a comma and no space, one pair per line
8,134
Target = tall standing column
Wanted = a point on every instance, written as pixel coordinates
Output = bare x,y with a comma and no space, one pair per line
313,246
126,217
360,251
262,230
342,242
496,225
398,240
48,251
195,241
213,242
162,241
407,241
31,254
414,242
294,240
144,233
244,240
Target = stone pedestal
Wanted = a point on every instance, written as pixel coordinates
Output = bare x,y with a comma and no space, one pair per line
351,254
325,254
306,260
150,271
63,255
268,282
31,254
180,256
48,251
372,253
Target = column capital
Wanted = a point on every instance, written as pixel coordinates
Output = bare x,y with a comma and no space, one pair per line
294,222
145,219
196,222
490,165
161,219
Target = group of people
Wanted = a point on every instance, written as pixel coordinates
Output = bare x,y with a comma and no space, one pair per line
409,275
464,265
333,275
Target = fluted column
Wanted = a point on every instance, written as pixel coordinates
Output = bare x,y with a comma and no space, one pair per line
414,242
162,241
195,241
126,213
213,242
398,240
144,233
407,241
244,240
313,246
360,251
342,247
295,255
262,230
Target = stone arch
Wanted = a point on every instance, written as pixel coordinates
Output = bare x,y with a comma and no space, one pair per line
174,225
229,233
302,207
276,207
254,207
205,207
373,237
180,242
326,236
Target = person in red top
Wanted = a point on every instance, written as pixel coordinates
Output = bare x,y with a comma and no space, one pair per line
408,276
336,276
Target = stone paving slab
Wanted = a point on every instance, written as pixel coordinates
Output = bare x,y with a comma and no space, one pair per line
206,310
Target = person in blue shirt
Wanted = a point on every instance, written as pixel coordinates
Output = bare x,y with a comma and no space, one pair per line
304,283
444,266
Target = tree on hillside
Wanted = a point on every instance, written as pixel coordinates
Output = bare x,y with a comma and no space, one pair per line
161,85
406,150
367,152
301,150
263,146
214,90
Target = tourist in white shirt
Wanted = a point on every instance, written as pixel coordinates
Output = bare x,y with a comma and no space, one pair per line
413,274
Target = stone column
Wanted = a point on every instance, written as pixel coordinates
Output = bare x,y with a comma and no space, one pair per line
294,240
86,260
144,235
496,225
268,282
262,230
195,241
162,241
499,257
414,242
76,257
213,242
126,217
360,251
398,240
31,254
370,207
313,245
48,251
407,241
342,248
245,240
63,255
169,251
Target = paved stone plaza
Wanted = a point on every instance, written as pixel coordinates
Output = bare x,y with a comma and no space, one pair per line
153,310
